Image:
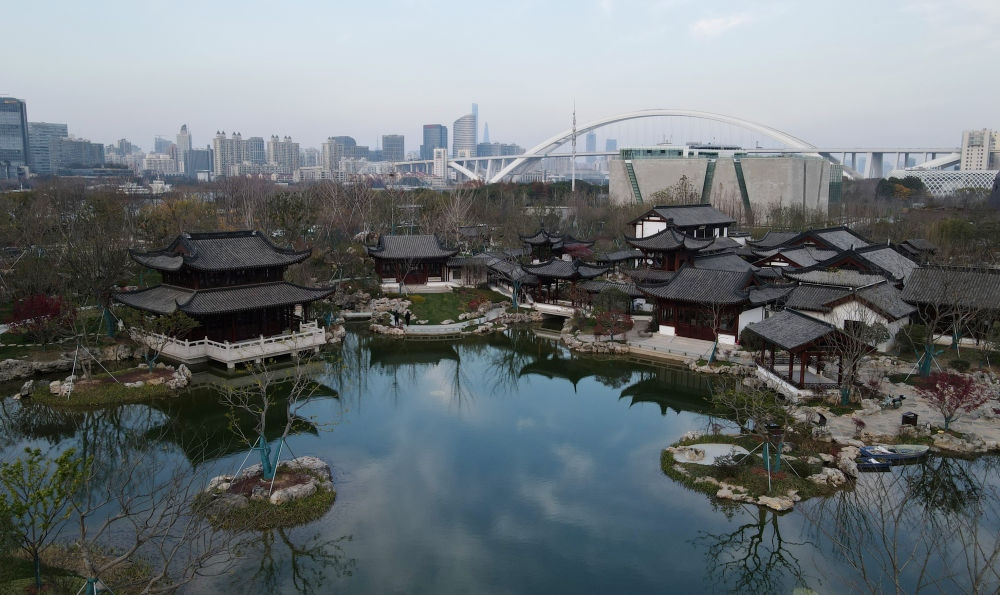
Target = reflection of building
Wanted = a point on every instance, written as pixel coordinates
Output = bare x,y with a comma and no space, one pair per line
14,143
232,284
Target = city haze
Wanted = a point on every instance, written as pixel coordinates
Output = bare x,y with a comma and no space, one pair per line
850,73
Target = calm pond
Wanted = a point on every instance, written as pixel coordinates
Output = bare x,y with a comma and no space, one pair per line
507,465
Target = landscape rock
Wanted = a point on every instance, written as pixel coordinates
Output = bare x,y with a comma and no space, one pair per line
779,503
223,504
295,492
27,388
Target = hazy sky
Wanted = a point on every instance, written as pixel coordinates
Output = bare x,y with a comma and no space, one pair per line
861,73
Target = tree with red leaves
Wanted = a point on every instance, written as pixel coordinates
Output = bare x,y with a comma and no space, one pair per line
42,318
953,394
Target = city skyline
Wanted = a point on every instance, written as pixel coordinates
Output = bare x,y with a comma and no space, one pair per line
900,73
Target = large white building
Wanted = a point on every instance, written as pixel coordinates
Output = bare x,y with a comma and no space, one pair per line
731,181
283,154
464,136
980,150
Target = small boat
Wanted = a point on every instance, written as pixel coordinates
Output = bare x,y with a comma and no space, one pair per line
870,464
895,454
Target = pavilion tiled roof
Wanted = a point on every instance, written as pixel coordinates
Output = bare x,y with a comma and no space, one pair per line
723,262
668,239
791,330
617,255
597,286
165,299
890,261
816,298
557,268
557,240
220,251
650,276
804,256
415,247
841,238
768,294
886,299
721,244
976,288
511,270
837,277
773,239
703,286
688,216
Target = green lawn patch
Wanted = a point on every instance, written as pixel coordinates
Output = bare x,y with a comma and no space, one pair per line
437,307
104,391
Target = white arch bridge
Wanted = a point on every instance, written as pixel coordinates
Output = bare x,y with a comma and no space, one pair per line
496,169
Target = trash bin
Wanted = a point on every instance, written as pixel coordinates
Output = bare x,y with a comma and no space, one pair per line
909,418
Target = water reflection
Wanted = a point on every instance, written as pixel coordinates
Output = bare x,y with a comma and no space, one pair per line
507,464
926,526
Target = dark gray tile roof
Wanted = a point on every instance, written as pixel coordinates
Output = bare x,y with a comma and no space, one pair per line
816,298
921,245
977,288
703,286
841,238
645,275
886,299
220,251
768,294
565,269
595,286
668,239
803,256
511,270
723,262
418,247
165,299
721,244
694,215
838,277
617,255
773,239
890,261
791,330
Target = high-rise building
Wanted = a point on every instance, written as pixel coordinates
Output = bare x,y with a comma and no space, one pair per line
197,161
591,144
283,154
440,162
40,138
161,145
435,137
980,149
338,148
465,136
14,144
392,148
183,146
310,157
75,153
228,152
255,150
611,145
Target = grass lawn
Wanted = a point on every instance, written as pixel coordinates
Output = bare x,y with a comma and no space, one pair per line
436,307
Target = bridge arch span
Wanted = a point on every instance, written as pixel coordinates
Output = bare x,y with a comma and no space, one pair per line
542,149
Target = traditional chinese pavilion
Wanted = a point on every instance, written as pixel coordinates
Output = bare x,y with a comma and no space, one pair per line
233,284
415,259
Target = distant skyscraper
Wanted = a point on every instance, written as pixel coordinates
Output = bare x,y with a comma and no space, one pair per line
14,145
183,146
465,134
197,161
591,146
393,148
980,149
228,152
435,137
284,154
309,157
338,148
40,138
486,132
162,145
611,145
76,153
255,151
441,162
